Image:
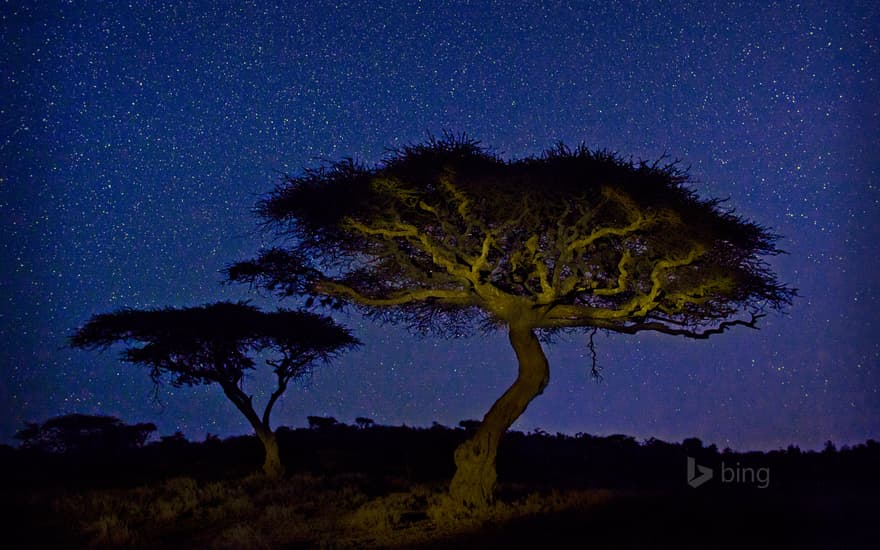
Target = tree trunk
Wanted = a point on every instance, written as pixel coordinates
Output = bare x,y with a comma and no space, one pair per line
474,481
272,467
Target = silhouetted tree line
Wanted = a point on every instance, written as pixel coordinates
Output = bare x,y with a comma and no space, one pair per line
81,433
103,450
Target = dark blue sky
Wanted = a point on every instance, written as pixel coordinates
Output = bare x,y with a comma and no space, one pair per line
135,140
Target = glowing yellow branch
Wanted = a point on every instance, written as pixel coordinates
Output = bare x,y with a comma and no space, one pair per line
481,261
621,278
699,294
411,232
603,232
638,220
644,304
535,260
393,187
567,314
428,208
457,194
400,298
402,230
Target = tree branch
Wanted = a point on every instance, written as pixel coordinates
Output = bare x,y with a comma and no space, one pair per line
405,230
600,233
625,327
279,391
621,278
400,298
649,301
696,334
243,403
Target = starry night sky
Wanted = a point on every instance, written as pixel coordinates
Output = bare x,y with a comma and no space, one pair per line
135,140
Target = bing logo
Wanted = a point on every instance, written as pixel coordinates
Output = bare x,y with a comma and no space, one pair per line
698,475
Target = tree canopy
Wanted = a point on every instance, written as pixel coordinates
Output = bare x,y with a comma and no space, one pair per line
443,233
214,342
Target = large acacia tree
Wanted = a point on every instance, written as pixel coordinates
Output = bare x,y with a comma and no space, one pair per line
445,233
215,344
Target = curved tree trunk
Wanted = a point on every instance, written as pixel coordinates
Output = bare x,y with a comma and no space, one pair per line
272,467
474,480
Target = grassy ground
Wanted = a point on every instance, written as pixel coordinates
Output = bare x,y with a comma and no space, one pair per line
354,511
385,487
302,510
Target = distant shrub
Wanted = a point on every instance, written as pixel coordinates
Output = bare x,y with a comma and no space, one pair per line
363,422
322,422
470,425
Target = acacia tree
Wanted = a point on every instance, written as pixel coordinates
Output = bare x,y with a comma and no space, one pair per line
442,234
215,343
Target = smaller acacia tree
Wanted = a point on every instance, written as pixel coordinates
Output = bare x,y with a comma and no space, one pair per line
215,344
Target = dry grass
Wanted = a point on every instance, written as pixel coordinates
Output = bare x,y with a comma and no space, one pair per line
301,510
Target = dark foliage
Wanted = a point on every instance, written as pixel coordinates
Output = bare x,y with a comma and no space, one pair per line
469,424
322,422
81,433
564,461
813,500
364,422
214,343
424,454
435,233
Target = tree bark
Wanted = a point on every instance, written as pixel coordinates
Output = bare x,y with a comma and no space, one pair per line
272,467
474,481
